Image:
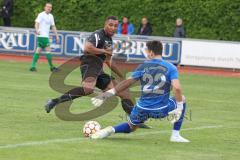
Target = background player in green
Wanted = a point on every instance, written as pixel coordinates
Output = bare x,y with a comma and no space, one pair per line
43,23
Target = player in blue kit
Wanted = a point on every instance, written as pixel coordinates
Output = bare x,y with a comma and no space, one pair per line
156,77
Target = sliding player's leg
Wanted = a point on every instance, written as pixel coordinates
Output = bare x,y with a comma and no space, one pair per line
108,131
35,59
127,103
136,118
176,137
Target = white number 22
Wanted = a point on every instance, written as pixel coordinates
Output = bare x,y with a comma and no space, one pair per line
156,89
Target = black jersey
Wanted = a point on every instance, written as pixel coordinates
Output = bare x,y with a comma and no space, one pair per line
100,40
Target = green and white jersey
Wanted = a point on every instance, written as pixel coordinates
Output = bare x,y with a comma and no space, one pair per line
45,22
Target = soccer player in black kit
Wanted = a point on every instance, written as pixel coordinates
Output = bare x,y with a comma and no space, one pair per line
97,50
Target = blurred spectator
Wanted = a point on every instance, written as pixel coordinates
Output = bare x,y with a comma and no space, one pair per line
145,27
125,27
179,30
7,12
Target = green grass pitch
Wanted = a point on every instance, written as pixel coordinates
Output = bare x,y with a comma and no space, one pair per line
28,133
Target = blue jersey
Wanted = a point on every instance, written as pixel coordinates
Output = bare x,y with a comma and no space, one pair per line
155,77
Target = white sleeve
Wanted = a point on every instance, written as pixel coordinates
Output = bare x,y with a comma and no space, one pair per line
39,18
53,22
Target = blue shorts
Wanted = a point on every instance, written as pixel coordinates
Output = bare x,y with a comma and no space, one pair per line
140,115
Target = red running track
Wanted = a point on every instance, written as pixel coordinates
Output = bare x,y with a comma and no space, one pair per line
191,70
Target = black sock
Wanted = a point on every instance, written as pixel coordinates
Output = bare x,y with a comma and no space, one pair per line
127,105
70,95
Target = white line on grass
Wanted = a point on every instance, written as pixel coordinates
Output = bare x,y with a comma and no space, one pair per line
38,143
168,131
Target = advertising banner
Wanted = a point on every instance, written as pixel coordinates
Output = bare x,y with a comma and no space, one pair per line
131,48
211,54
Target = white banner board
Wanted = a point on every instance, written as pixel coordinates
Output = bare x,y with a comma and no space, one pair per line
211,54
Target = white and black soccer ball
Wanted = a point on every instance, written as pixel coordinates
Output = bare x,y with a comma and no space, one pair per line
91,127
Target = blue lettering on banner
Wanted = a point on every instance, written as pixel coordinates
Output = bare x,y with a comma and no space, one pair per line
74,44
172,51
17,41
134,49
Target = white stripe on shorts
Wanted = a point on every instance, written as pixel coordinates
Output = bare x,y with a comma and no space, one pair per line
151,109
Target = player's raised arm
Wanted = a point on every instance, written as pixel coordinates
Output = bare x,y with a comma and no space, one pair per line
136,75
92,45
91,49
124,85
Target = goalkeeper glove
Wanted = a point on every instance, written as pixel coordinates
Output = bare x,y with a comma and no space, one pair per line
99,100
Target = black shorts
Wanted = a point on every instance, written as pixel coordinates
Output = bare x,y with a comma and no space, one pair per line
92,66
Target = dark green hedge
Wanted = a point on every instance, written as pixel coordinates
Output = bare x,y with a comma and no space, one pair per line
208,19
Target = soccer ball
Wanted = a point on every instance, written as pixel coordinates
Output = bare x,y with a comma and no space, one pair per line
91,127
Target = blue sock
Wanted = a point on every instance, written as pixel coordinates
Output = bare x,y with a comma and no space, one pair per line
122,128
177,125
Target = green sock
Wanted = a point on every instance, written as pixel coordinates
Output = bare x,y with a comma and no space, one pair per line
49,58
35,59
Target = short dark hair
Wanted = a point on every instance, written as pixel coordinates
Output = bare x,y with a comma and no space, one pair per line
112,18
48,3
155,46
